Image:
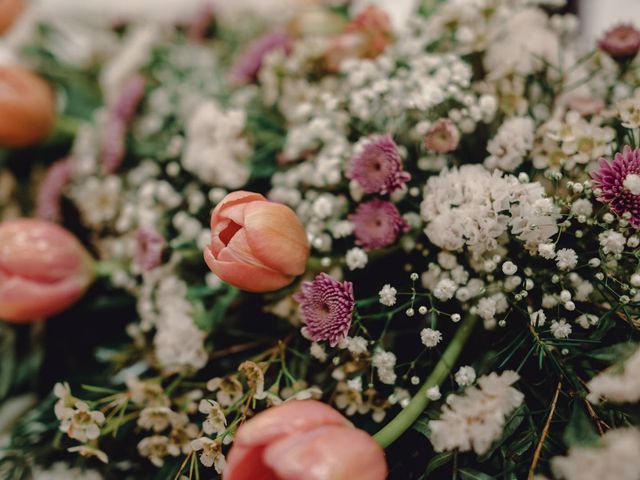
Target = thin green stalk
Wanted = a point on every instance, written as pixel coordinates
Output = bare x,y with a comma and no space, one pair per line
403,421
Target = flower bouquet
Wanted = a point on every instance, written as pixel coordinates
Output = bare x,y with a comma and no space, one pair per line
346,241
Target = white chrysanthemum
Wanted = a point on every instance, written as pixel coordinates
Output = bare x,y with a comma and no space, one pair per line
475,419
511,144
473,207
388,295
617,457
216,149
617,384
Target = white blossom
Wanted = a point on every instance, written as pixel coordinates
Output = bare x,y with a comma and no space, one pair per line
619,383
465,376
388,295
430,337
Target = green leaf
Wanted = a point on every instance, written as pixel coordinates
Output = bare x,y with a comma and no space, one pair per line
438,461
7,359
614,353
579,430
422,425
471,474
207,319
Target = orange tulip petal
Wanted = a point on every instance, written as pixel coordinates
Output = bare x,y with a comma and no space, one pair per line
239,197
276,237
246,277
288,418
246,463
327,453
23,300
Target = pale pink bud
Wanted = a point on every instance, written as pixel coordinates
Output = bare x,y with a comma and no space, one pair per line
256,245
303,440
442,137
43,270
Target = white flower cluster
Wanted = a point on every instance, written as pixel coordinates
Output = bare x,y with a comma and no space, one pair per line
511,144
473,207
617,456
475,419
619,384
162,304
216,150
385,362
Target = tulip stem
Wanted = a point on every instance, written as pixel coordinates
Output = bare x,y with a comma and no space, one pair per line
403,421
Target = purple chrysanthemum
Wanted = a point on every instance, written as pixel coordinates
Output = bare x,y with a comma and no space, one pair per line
618,183
377,224
248,64
148,251
622,41
50,192
326,306
378,167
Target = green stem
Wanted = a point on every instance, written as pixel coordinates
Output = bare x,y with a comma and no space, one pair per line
403,421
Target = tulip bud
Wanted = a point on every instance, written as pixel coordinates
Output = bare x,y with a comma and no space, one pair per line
27,107
256,245
303,440
43,270
9,11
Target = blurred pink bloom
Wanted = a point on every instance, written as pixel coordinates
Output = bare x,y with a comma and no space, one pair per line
148,252
256,245
303,440
248,64
442,137
43,270
326,306
378,167
377,224
622,41
618,183
366,36
50,191
586,105
197,28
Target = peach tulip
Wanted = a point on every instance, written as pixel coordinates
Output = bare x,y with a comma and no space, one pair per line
9,11
43,270
27,107
256,245
303,440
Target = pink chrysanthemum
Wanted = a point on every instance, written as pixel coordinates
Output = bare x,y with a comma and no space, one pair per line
119,115
248,64
618,183
56,179
377,224
148,251
622,41
378,167
326,306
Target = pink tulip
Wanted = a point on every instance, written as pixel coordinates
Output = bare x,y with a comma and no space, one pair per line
43,270
256,245
303,440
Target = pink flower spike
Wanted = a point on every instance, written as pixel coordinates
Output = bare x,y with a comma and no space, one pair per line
148,252
129,99
622,41
377,224
326,306
378,167
248,64
119,116
618,183
56,179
